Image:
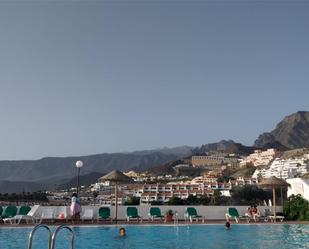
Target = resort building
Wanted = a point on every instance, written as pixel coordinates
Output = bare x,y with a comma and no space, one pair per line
214,160
260,158
284,168
242,181
299,186
163,192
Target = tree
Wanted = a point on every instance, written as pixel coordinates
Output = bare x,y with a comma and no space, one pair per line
296,208
204,200
174,201
249,194
134,201
192,200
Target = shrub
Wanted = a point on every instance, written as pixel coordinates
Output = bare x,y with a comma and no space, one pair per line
175,201
249,194
296,208
135,201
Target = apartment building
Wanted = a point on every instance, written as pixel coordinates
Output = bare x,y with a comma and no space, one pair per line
260,158
214,160
163,192
299,186
284,168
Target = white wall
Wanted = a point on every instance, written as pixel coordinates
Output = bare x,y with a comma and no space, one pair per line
299,186
209,212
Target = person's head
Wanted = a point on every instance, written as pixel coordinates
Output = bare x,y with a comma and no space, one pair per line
74,195
227,225
122,232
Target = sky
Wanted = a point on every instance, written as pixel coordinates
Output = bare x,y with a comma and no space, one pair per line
86,77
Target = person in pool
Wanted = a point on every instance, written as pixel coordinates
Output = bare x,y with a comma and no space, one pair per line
227,225
122,232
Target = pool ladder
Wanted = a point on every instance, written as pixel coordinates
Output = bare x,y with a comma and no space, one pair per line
51,237
176,219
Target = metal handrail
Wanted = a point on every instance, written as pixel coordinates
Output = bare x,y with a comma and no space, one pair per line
53,241
176,218
34,230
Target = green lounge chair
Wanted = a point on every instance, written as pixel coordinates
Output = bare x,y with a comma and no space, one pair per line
132,213
155,213
233,213
104,213
9,212
191,214
24,210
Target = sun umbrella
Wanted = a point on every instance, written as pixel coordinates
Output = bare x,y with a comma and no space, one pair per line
117,177
273,182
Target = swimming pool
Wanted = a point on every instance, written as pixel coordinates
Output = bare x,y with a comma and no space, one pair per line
169,237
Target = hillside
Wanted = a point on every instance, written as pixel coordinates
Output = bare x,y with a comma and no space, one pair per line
85,180
292,132
227,146
58,170
296,153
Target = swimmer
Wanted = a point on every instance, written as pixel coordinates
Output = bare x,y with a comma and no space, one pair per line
122,232
227,225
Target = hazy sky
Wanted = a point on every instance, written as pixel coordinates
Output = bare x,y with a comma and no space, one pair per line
88,77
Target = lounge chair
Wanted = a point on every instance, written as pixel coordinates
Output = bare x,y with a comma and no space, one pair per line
62,213
191,214
9,213
47,214
233,213
255,216
27,216
104,214
23,213
155,213
270,217
132,213
24,210
87,215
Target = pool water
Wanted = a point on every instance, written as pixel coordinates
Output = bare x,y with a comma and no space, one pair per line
167,237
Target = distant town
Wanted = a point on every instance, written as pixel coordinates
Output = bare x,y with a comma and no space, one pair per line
212,174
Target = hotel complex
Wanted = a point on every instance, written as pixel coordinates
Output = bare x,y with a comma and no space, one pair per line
285,168
259,158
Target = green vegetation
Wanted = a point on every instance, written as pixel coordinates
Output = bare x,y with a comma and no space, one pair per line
133,201
192,200
244,172
249,194
296,208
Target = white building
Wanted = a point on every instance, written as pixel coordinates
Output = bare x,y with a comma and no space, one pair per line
260,158
299,186
284,168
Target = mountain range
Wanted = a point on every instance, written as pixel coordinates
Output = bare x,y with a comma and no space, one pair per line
31,175
52,172
292,132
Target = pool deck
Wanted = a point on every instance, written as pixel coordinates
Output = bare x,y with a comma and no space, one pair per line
151,223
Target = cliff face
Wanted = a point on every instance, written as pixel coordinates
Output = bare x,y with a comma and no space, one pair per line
292,132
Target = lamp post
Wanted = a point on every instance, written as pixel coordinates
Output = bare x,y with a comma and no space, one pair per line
78,165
